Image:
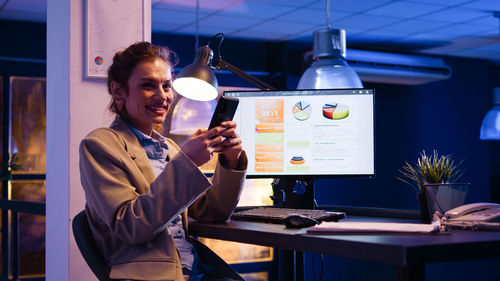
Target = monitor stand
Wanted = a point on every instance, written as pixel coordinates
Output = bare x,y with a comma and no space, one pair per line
293,192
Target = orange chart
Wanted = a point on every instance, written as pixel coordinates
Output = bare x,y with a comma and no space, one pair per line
269,111
269,135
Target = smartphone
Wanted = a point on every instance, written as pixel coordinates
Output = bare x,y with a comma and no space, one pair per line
224,111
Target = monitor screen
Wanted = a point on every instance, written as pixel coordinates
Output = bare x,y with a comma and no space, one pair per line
303,133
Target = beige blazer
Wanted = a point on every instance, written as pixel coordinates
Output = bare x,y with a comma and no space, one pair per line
128,208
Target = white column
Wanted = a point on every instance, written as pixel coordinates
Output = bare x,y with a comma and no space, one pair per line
75,106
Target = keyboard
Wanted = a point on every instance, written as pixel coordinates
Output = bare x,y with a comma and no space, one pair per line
277,215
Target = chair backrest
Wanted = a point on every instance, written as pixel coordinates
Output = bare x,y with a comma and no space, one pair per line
86,243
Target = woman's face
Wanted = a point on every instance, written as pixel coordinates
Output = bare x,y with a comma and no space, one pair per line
149,94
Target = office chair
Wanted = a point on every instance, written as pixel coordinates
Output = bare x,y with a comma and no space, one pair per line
88,248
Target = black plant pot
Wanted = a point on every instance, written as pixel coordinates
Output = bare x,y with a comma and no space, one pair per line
424,210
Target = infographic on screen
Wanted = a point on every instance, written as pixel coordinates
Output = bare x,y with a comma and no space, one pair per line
302,110
307,132
335,110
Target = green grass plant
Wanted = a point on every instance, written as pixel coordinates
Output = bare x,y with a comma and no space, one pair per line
432,168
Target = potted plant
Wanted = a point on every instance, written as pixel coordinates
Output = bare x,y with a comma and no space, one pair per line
435,178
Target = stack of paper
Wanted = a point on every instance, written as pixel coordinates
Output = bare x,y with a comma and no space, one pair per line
332,227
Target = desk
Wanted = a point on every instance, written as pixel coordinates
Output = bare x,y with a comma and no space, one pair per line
407,252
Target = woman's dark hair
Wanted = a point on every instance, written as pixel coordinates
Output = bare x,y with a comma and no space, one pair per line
124,62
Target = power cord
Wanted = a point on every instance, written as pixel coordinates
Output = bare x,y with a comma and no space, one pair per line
322,266
320,255
4,4
221,35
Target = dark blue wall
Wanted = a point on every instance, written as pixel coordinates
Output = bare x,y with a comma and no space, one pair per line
23,47
444,115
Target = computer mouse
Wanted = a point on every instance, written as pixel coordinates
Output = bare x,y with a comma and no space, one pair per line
299,221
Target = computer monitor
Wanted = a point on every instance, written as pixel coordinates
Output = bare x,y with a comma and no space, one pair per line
307,133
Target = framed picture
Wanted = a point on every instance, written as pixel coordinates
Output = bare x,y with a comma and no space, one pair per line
113,26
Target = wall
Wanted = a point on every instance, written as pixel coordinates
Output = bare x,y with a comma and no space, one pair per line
444,115
75,106
70,98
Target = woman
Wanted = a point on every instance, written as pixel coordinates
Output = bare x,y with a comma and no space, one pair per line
138,183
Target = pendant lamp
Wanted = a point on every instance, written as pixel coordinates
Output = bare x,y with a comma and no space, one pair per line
490,127
329,69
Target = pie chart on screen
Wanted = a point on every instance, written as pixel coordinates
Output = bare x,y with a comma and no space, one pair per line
335,111
297,160
301,110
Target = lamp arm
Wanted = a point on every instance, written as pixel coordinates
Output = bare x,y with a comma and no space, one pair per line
222,64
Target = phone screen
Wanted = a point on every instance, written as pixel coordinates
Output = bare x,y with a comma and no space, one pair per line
224,111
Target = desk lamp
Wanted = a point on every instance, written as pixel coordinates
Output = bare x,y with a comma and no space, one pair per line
490,127
198,84
197,81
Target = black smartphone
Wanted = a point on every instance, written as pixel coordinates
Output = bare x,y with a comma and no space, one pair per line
224,111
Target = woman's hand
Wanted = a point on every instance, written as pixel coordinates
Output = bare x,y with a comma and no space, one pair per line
202,144
231,145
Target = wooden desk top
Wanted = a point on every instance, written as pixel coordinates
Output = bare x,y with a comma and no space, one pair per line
397,249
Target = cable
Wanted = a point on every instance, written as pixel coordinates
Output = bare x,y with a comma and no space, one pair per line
328,13
322,265
197,14
221,35
220,46
213,38
313,267
4,4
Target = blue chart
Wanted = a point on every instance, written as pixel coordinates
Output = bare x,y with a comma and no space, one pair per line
301,110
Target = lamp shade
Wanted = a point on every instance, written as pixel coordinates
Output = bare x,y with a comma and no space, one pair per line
190,115
197,81
490,127
328,74
329,70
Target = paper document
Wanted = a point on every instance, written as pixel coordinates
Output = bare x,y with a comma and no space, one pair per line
331,227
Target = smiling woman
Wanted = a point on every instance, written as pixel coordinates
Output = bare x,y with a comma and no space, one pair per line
143,69
147,97
138,183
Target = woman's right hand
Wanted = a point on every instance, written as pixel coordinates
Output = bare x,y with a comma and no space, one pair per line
200,146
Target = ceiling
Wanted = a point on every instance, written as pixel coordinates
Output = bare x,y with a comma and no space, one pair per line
463,28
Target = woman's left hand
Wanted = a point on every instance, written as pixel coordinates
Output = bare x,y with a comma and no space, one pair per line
230,147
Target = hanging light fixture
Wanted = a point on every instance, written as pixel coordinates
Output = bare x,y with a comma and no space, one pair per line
329,69
490,127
